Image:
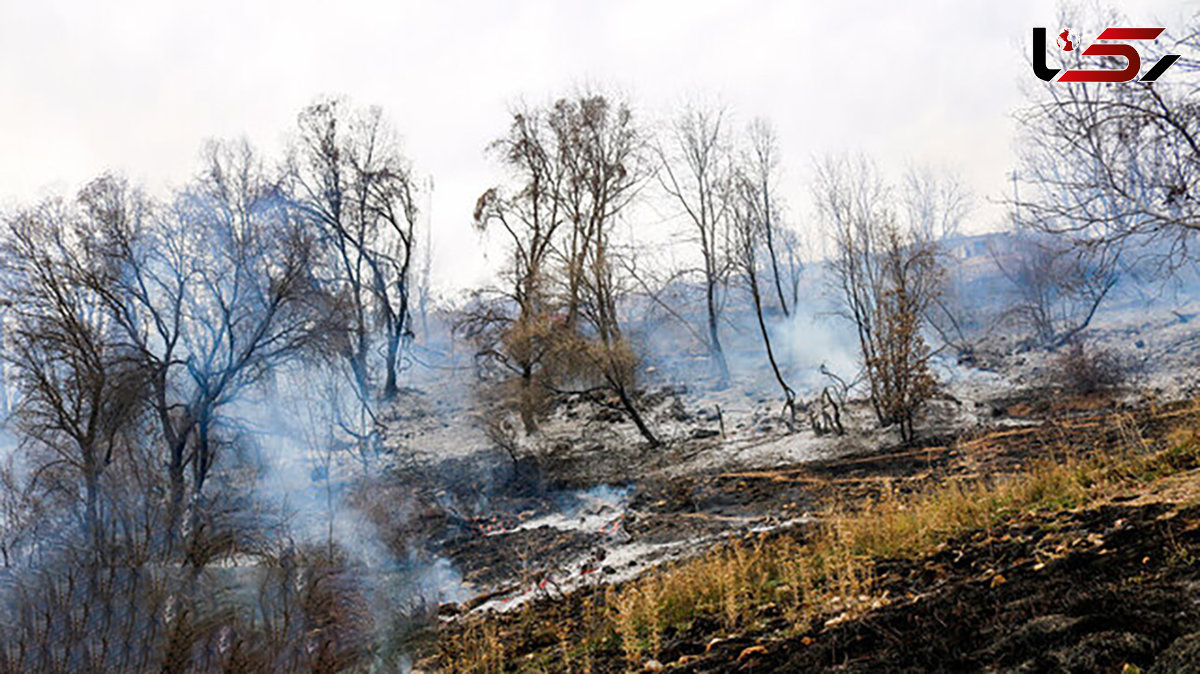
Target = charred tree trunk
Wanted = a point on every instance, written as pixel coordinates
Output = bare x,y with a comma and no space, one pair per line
771,249
528,419
390,387
789,395
635,415
714,339
92,513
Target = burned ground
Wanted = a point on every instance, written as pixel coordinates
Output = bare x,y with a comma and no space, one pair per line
1089,589
1082,592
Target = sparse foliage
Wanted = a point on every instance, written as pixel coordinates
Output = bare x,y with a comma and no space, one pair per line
888,276
576,167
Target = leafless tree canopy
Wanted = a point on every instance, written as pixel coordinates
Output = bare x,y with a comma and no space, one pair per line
135,326
1057,288
352,182
1107,165
888,274
696,160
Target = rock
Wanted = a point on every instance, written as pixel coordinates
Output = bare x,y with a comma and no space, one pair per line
652,666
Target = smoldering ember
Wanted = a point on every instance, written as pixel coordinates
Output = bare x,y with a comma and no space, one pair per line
541,349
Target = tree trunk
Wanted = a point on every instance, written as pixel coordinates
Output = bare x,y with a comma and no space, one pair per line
175,478
714,340
789,394
92,514
527,416
390,387
358,366
636,417
771,251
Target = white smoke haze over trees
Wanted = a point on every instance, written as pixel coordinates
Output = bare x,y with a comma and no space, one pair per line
132,86
305,310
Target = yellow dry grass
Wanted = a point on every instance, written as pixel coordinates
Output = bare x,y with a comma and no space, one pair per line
830,572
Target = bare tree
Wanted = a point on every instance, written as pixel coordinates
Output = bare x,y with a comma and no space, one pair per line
696,172
352,181
1057,288
209,295
79,388
780,242
887,275
1105,165
792,248
935,207
530,217
752,218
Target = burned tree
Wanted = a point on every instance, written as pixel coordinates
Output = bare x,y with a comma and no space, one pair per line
351,181
780,242
935,206
80,389
578,165
697,172
753,213
208,295
1057,288
530,218
887,275
149,338
606,155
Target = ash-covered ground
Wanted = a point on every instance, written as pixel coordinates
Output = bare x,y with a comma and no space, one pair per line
585,501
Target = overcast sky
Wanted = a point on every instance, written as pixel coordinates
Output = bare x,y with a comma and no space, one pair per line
137,86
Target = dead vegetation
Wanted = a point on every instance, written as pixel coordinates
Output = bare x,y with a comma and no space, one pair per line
1086,370
777,586
888,275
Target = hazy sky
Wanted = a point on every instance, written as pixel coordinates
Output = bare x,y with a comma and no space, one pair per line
137,86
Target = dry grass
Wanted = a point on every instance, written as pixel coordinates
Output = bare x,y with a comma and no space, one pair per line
830,573
479,649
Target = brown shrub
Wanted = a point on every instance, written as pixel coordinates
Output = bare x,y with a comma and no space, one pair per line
1085,370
